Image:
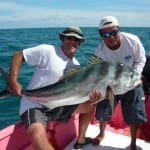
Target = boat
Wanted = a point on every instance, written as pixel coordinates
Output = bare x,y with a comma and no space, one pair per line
63,135
14,137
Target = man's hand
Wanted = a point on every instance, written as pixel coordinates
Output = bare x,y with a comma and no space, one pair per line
138,83
15,88
94,97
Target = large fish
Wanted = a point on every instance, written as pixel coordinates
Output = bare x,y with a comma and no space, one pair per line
74,87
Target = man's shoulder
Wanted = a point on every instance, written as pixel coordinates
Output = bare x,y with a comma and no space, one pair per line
46,46
129,36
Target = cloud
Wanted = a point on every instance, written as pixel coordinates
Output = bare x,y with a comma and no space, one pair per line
14,15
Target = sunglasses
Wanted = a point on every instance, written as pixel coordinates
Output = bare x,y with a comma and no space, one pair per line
109,34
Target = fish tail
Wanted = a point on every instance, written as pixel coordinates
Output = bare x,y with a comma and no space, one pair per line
110,96
5,92
4,74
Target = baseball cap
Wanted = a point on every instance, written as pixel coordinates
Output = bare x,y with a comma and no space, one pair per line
107,22
73,31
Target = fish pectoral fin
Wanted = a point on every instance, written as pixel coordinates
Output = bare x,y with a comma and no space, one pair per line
110,95
110,92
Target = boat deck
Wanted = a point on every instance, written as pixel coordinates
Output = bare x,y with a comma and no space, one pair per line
112,141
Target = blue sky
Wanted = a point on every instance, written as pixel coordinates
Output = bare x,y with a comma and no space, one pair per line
62,13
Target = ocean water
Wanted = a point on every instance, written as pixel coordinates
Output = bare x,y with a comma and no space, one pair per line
12,40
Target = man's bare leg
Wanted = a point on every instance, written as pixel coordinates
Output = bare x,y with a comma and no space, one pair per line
133,131
85,111
38,136
102,126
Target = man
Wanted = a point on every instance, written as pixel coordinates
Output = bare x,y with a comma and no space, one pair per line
117,46
50,63
146,76
146,70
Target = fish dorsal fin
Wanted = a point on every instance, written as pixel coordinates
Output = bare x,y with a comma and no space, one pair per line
70,72
94,59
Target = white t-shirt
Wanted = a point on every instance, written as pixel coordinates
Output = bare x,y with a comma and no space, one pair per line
50,64
131,52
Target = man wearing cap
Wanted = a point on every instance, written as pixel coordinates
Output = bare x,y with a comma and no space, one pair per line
50,62
117,46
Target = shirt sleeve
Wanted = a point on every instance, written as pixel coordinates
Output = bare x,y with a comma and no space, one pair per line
140,57
33,56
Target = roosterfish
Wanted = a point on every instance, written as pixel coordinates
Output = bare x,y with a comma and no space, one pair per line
74,87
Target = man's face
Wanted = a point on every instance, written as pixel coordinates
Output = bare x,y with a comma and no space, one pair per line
70,45
111,37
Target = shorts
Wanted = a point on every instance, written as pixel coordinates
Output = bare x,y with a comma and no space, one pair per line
43,115
133,107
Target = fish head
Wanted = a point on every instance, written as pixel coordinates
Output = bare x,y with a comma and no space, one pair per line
124,79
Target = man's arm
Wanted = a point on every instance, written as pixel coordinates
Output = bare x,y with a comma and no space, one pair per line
16,64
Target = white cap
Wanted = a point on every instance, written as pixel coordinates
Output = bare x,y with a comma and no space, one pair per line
107,22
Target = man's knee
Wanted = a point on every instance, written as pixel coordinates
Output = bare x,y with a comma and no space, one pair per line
36,131
84,108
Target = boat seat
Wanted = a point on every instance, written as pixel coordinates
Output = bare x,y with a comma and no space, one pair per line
60,134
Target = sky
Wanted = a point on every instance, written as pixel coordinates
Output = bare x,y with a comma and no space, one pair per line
63,13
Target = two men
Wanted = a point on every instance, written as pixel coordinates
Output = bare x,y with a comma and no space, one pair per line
51,62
